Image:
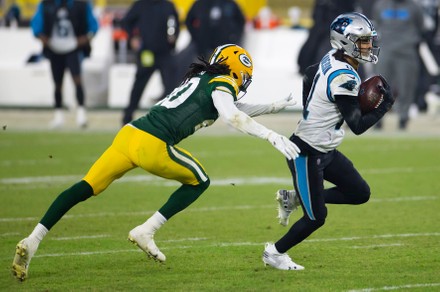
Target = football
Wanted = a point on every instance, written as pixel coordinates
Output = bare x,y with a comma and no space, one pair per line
369,95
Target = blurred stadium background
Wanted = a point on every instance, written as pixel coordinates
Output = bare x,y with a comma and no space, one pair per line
108,76
250,7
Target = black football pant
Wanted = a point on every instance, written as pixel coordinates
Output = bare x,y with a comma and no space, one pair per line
309,171
58,64
165,63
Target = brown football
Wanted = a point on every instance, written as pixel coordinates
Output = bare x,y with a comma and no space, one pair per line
369,95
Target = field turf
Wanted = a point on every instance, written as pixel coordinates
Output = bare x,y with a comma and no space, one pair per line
390,243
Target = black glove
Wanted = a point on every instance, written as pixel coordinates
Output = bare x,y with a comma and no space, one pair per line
387,93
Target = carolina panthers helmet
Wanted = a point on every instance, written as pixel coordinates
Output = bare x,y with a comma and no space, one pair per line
239,62
347,29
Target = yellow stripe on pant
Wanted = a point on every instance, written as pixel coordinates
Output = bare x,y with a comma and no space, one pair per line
133,148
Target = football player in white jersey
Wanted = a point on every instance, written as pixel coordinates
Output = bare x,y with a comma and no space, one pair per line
330,91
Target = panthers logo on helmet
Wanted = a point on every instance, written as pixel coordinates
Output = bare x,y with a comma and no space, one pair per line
340,24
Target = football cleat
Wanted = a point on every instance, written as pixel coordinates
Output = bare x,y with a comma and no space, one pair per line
145,241
288,202
81,117
280,261
24,251
58,120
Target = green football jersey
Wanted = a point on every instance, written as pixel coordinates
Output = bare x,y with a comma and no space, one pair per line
188,108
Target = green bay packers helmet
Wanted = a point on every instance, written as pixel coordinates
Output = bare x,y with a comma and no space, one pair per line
239,62
347,29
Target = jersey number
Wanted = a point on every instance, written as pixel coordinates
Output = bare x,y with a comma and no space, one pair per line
305,110
180,94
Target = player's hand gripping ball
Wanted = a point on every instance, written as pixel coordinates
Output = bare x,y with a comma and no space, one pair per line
370,95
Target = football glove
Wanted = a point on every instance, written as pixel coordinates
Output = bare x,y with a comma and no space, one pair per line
282,103
387,93
284,145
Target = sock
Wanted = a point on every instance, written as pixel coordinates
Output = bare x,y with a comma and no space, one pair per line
65,201
39,233
154,222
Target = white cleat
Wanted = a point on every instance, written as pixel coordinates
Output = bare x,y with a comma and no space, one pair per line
280,261
24,251
288,202
81,117
58,120
145,241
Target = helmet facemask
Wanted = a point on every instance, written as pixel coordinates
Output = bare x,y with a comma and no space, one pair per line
364,55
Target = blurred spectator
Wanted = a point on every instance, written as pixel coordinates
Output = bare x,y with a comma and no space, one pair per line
426,78
215,22
153,29
400,26
317,45
266,19
65,27
210,23
13,15
120,38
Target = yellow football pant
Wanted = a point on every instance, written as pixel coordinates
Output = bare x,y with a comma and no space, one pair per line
133,148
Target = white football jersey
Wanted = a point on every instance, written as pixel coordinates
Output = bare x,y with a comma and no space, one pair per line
321,123
63,39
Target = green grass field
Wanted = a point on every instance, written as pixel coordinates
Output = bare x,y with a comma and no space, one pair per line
392,242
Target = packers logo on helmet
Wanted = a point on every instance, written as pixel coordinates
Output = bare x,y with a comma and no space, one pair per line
244,59
239,62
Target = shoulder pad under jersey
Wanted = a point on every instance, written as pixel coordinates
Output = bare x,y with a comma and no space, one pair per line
225,81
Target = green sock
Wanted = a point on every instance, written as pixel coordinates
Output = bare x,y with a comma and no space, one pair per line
65,201
182,198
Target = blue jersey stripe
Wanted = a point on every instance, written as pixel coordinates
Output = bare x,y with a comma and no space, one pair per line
333,76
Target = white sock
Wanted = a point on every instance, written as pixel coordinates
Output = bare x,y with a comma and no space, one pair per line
39,233
154,222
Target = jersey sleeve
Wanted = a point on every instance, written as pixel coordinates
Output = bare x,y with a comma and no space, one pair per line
226,84
343,82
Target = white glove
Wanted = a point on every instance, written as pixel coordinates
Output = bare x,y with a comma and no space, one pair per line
284,145
283,103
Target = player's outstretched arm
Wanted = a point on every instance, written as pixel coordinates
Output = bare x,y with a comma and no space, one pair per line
254,110
227,110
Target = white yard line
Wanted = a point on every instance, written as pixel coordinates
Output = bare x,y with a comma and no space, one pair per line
377,245
229,244
218,182
387,288
204,209
81,237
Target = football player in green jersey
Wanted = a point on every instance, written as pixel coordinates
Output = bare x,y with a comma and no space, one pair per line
209,90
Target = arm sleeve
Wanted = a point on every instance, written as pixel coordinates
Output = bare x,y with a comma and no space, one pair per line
254,110
351,113
230,114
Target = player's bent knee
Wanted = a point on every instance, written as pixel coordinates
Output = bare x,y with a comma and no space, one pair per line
363,194
316,223
204,185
